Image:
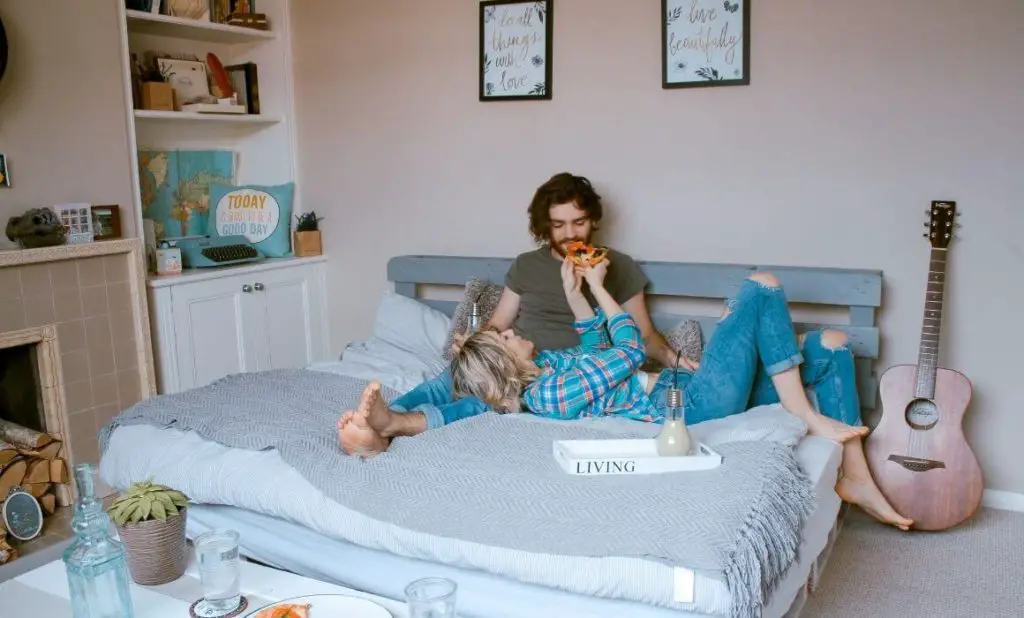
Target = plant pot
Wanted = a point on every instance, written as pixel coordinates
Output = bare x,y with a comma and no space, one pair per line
156,549
307,244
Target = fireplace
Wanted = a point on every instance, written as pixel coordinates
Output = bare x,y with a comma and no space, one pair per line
35,450
75,351
21,400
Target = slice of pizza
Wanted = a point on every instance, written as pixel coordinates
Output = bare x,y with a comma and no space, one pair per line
585,254
285,610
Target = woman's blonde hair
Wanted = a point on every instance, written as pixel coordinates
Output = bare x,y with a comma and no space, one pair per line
485,368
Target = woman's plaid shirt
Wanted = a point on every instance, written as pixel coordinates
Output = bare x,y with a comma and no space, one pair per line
596,378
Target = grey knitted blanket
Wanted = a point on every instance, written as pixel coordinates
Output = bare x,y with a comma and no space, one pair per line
493,480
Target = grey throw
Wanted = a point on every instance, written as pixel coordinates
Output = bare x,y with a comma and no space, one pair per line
493,480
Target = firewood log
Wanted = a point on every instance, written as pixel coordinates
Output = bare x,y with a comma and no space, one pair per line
23,436
50,451
38,471
7,553
37,489
58,471
11,475
7,452
49,503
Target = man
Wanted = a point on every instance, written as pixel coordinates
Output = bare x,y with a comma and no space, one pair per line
533,304
565,209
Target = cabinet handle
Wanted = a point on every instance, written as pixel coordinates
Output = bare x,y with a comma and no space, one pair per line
246,288
259,287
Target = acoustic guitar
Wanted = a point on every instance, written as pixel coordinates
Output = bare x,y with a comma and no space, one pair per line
918,454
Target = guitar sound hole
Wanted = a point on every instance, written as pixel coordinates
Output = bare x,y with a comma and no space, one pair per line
922,414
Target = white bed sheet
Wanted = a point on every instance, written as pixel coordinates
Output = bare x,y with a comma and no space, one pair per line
178,458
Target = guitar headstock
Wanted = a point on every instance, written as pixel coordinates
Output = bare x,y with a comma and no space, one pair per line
941,223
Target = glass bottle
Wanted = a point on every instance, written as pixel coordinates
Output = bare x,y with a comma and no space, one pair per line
474,320
674,439
95,562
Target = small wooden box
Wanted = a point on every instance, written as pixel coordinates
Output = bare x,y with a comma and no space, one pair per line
307,244
158,96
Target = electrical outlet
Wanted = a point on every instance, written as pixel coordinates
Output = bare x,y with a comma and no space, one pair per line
5,177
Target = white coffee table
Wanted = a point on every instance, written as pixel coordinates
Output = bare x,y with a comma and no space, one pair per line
44,592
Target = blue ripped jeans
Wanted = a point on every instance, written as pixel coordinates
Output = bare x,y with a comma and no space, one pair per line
435,398
753,342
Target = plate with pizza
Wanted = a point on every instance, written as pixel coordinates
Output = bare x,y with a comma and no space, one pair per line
322,606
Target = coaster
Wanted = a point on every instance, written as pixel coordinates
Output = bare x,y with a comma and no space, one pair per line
200,609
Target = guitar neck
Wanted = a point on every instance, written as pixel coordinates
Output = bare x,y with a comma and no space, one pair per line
931,327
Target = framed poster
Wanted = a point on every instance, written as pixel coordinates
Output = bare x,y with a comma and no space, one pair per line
515,50
705,43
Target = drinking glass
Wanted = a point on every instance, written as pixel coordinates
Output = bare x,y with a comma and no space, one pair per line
220,569
431,597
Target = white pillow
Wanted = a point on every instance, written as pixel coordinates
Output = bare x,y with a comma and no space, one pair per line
411,325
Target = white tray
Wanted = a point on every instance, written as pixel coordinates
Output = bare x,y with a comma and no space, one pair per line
599,457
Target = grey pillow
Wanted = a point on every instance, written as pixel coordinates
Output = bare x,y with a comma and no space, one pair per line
486,296
686,337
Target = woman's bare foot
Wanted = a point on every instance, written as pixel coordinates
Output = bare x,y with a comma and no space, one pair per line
867,496
375,409
821,425
356,437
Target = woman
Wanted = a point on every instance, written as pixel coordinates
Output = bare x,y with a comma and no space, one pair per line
753,358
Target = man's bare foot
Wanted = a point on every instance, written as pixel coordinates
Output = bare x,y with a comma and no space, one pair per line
821,425
867,496
356,437
375,409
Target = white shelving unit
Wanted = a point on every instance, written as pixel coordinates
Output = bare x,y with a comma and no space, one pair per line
264,143
215,321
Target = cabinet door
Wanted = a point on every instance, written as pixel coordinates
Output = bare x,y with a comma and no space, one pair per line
209,336
291,327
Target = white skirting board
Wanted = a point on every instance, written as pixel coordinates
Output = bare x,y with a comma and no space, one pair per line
1003,500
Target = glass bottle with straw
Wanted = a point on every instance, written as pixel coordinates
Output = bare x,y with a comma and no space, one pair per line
674,439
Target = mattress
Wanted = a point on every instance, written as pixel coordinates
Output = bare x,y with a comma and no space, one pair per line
275,533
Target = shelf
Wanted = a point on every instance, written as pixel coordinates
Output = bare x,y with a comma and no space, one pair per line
149,115
141,22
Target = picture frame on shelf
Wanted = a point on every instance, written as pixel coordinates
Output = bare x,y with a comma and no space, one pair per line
245,80
705,43
515,50
188,79
106,221
77,221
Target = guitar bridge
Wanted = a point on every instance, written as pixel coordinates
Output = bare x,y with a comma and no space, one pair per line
916,464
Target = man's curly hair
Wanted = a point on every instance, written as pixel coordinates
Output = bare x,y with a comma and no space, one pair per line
560,189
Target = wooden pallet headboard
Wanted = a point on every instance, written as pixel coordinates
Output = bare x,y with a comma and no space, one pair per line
859,291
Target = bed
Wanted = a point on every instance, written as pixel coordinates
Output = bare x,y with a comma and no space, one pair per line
230,484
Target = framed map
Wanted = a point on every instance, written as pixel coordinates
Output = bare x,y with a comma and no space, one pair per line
515,50
175,188
705,43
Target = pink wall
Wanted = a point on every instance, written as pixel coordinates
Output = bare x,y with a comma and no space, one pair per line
858,114
63,117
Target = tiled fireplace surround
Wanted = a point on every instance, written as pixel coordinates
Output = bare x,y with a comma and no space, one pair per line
89,299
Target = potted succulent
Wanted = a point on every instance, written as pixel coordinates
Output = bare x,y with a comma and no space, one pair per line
150,520
307,234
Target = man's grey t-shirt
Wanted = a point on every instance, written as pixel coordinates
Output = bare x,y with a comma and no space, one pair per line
544,314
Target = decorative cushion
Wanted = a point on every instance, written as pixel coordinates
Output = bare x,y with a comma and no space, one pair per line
686,337
260,213
486,296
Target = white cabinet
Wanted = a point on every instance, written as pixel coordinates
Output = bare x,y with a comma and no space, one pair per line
211,323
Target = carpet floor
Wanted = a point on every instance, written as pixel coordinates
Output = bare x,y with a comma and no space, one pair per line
877,571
